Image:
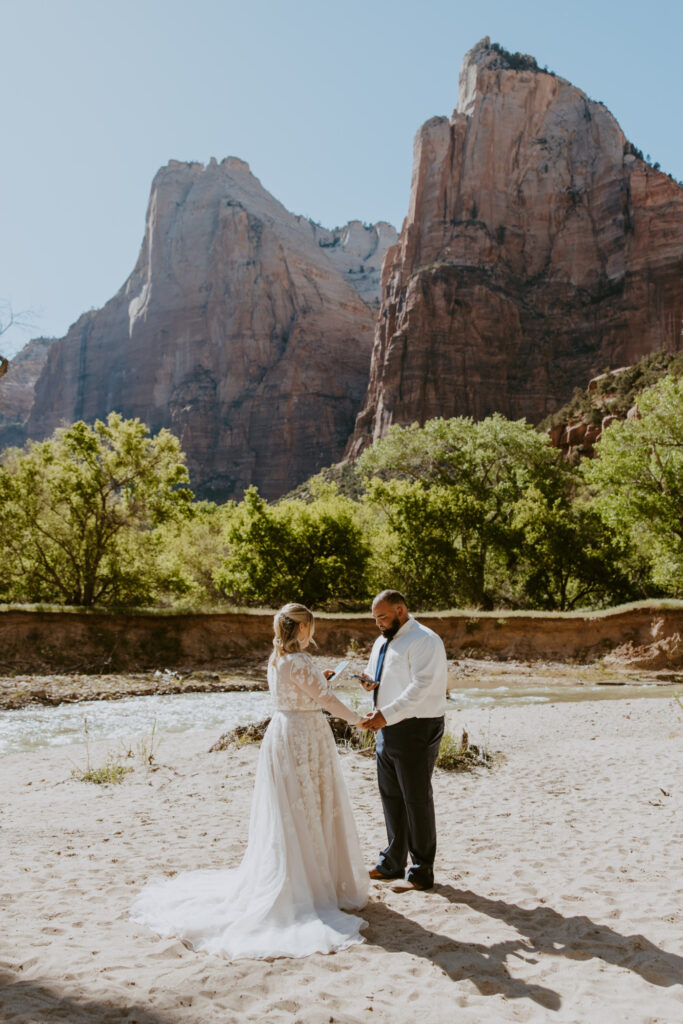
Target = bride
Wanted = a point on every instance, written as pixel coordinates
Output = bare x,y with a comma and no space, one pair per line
303,869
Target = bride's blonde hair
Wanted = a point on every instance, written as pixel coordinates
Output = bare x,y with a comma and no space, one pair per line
285,627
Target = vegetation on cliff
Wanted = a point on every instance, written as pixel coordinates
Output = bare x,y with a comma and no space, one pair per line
613,393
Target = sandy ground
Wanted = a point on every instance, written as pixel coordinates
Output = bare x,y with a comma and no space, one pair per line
558,893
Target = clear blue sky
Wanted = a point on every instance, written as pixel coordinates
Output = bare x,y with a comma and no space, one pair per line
321,98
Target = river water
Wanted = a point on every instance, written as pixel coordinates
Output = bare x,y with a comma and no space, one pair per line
132,718
128,719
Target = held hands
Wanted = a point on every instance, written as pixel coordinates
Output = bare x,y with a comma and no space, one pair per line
373,721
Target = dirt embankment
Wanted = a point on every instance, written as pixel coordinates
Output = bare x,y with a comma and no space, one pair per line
101,642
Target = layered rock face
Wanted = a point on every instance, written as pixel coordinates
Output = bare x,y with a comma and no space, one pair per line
539,248
240,329
16,390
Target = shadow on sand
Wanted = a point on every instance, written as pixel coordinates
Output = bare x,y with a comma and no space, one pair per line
35,1003
544,931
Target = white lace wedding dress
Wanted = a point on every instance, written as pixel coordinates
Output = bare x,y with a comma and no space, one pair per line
303,868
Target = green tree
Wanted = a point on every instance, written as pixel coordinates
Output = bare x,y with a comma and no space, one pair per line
637,481
446,492
430,547
295,551
195,548
485,514
566,557
78,513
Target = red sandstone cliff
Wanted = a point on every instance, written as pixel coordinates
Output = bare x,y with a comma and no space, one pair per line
539,248
241,329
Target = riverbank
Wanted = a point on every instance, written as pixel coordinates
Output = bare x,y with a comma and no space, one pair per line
68,641
23,690
558,884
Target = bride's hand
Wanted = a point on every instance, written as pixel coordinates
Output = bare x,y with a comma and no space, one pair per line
374,720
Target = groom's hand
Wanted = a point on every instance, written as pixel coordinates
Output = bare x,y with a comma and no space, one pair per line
373,721
367,683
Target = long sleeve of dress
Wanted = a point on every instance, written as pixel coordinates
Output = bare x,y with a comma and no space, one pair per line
311,682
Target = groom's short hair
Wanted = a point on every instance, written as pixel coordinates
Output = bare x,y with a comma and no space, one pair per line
392,596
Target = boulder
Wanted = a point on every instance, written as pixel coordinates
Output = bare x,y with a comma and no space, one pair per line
576,433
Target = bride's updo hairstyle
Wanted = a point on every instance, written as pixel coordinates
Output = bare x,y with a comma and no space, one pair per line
286,628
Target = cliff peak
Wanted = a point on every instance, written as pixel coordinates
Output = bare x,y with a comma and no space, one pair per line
481,68
243,328
494,56
538,249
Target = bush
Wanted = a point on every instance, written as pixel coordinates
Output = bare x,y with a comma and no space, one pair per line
313,552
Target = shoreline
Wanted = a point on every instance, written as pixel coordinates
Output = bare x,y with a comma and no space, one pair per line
249,675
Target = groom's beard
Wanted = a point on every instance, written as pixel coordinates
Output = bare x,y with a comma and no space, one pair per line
391,630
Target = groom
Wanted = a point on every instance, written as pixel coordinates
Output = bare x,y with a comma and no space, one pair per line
407,674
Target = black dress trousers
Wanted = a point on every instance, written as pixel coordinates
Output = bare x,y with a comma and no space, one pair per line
406,755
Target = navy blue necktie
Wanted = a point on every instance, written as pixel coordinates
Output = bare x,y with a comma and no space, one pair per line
378,670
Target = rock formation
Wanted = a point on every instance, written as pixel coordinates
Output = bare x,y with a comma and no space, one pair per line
611,396
357,250
539,248
16,390
240,329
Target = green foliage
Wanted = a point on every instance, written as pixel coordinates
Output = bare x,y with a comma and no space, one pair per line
488,514
461,755
112,771
447,492
567,557
344,475
455,514
517,61
433,550
616,393
194,548
312,552
637,481
79,512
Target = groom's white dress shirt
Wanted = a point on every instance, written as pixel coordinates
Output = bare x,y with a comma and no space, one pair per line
413,683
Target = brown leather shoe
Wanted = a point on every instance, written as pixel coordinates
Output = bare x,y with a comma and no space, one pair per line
378,876
407,886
